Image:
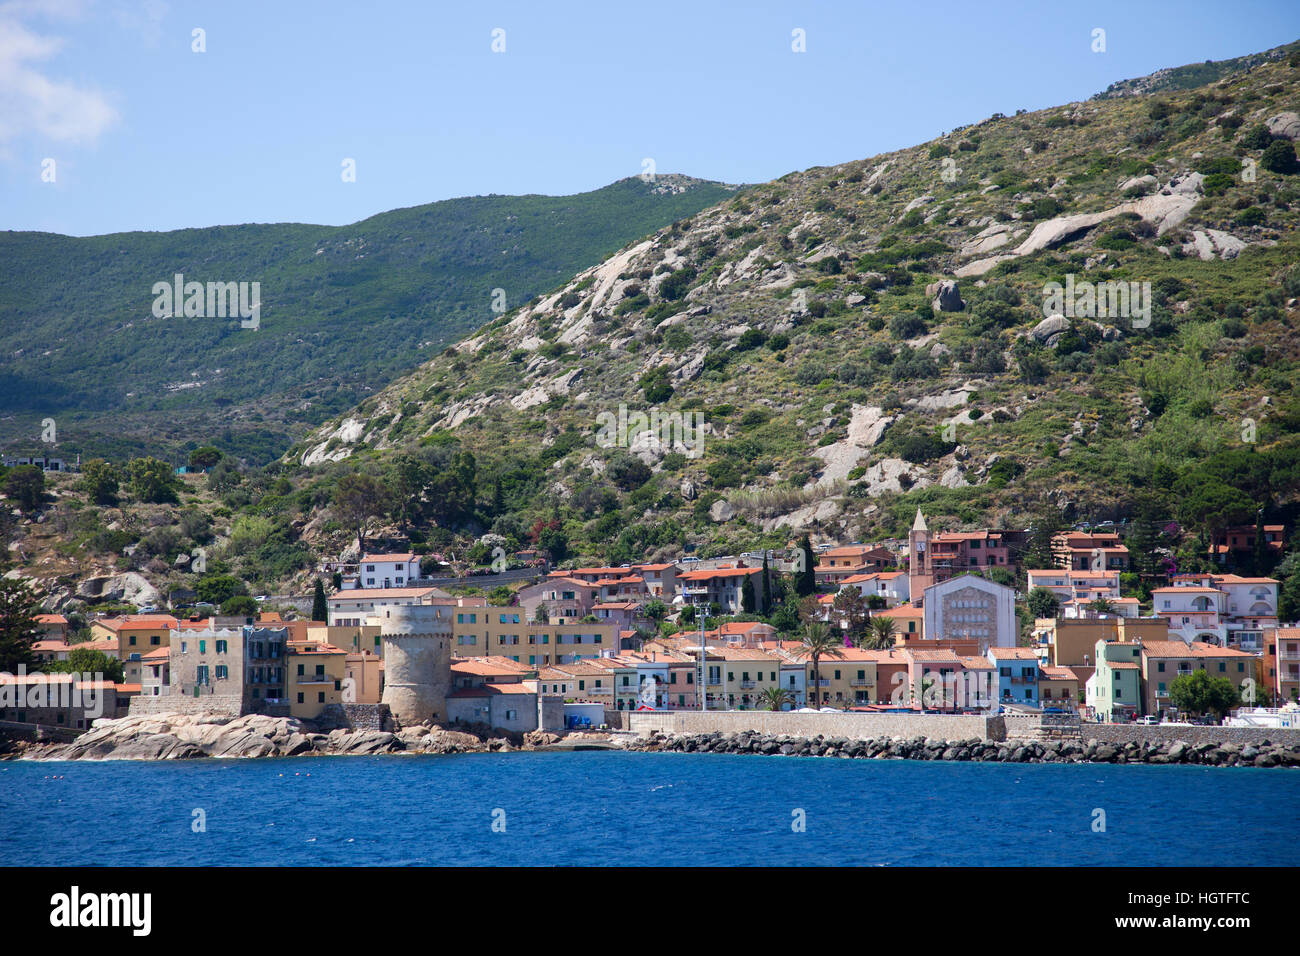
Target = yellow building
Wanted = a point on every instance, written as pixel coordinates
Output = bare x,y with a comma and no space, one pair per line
363,681
316,673
745,673
504,632
1165,661
357,638
136,635
1072,642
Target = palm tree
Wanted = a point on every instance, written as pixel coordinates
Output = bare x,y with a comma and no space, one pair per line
882,633
818,642
775,698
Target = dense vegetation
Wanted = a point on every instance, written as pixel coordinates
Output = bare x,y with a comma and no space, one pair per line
344,311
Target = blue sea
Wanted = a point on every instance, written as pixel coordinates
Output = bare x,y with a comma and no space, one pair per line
640,809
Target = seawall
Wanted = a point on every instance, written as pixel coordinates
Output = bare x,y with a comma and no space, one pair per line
851,726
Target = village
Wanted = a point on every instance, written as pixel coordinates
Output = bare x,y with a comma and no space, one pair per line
928,626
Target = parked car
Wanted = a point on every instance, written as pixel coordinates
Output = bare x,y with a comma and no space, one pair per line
1148,720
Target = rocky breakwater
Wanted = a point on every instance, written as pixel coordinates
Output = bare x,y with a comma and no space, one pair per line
1266,754
190,736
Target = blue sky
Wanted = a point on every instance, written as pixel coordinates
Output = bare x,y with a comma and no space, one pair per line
147,134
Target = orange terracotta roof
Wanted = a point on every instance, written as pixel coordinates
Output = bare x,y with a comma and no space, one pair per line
1054,672
494,665
1194,649
724,572
368,594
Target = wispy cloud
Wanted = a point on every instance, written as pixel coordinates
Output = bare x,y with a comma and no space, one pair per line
32,100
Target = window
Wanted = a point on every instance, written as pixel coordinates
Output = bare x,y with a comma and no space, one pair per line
203,647
155,640
300,698
223,647
320,697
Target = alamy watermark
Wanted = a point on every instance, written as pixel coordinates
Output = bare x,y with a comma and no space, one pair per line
37,691
213,300
1099,300
675,431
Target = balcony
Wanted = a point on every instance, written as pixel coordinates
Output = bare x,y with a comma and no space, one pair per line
747,684
316,679
861,682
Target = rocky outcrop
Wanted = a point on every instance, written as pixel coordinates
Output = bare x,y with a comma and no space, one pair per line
129,587
188,736
946,297
1286,125
1165,210
1050,330
1214,244
1267,754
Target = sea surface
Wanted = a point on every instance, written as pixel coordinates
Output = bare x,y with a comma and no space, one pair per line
641,809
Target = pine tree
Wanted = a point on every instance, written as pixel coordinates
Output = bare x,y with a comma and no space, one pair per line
320,609
806,577
18,628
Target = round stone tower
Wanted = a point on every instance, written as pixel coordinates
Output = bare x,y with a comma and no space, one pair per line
417,661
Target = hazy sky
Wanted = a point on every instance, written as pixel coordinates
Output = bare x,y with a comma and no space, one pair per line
145,133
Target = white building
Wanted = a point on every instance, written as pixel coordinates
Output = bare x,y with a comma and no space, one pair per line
1251,606
890,585
388,570
968,607
351,606
1075,585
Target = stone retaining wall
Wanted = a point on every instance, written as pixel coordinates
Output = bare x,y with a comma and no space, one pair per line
367,716
228,704
851,726
1157,733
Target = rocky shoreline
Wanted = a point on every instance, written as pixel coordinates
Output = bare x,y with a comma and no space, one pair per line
194,736
1266,754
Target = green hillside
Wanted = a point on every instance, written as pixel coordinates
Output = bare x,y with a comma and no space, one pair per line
344,311
839,383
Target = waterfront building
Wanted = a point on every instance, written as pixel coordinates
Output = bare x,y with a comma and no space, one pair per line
1284,643
1017,674
1113,692
1164,661
316,673
206,663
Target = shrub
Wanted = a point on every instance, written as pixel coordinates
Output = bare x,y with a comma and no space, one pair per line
1279,157
1254,216
907,326
1256,137
676,284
